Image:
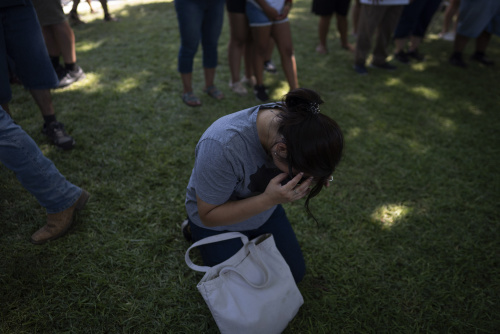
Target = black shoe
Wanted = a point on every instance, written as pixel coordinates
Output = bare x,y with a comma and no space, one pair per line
55,131
74,18
402,57
269,67
416,55
71,76
457,60
481,57
384,66
360,69
260,93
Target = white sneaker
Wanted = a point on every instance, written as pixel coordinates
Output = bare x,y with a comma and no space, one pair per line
238,88
448,36
250,82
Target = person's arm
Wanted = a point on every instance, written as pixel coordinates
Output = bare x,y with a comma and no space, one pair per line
286,10
270,12
233,212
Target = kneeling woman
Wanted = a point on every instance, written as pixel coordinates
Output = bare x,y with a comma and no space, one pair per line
250,162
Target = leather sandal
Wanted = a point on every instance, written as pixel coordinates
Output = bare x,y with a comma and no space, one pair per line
191,100
214,92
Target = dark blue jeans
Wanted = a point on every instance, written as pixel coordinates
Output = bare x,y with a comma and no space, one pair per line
278,225
199,20
37,174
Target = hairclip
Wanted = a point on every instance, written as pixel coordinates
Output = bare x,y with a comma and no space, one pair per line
314,107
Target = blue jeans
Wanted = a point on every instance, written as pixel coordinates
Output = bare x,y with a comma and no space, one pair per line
37,174
22,41
278,225
199,20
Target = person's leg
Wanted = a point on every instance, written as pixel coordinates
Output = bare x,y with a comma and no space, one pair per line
369,19
211,29
40,177
286,241
342,28
107,16
261,36
239,30
62,39
189,16
355,17
386,28
37,174
323,27
282,35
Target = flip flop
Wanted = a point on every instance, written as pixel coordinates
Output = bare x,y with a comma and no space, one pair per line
191,100
214,92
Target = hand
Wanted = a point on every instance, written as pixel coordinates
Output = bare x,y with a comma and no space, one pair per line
289,192
285,12
271,13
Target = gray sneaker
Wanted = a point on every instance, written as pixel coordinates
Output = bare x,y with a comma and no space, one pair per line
55,131
71,77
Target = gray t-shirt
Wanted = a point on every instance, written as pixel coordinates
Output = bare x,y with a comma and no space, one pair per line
230,165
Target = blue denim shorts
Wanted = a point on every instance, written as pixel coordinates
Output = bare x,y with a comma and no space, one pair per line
257,18
26,54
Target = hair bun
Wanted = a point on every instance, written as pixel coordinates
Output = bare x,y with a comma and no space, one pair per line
303,100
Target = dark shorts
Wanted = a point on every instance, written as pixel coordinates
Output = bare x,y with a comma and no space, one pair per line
236,6
49,12
328,7
21,36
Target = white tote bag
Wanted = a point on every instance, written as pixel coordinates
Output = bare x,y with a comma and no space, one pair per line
251,292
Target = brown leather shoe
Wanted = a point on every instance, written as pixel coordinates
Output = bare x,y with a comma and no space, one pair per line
59,223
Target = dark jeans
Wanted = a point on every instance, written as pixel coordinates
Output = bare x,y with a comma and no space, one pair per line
415,18
278,225
199,20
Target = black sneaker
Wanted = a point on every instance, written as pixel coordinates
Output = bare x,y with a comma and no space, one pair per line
457,60
481,57
269,67
360,69
384,66
260,93
55,131
416,55
402,57
71,77
74,18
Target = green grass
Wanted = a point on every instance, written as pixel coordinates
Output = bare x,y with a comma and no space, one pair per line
408,239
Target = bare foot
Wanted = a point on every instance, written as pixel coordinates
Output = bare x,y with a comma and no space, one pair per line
321,49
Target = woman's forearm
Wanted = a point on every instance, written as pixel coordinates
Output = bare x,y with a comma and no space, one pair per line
233,212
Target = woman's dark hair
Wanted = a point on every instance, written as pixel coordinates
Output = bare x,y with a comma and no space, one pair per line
314,141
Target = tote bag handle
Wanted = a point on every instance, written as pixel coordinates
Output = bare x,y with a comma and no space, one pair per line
210,240
255,252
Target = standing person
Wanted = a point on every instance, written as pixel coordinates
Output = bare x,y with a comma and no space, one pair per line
381,16
412,25
250,162
75,18
40,177
24,49
59,39
199,20
355,17
478,19
325,9
270,20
